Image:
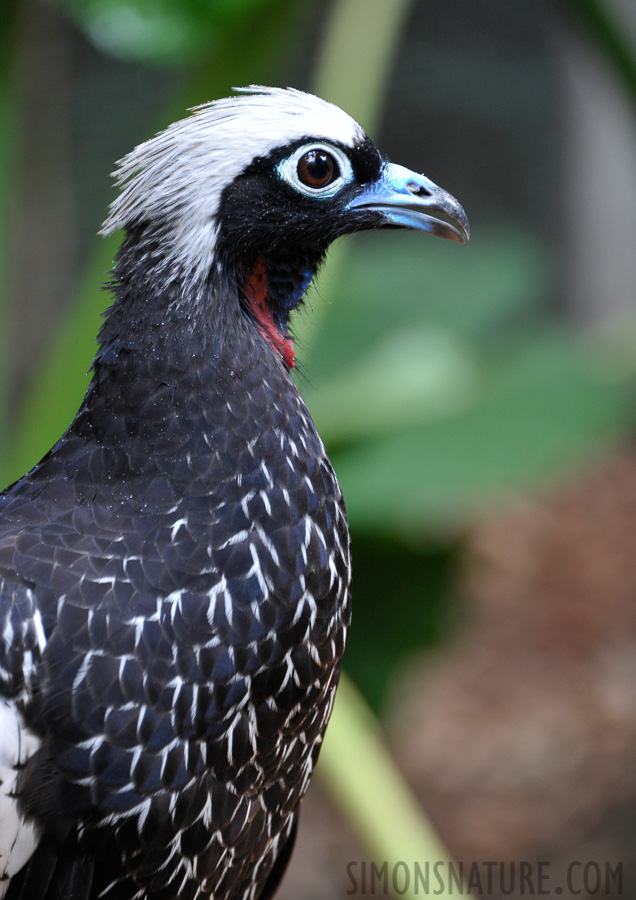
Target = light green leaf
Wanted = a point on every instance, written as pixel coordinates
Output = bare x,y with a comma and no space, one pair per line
546,409
412,375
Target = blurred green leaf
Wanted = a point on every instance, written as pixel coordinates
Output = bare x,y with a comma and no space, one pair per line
450,386
405,280
417,374
546,408
159,31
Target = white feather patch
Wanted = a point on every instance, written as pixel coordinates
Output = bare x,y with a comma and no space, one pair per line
18,839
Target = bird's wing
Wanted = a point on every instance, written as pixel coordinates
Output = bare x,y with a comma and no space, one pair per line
127,682
22,640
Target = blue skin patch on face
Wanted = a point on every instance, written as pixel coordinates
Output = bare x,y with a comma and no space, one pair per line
306,276
286,288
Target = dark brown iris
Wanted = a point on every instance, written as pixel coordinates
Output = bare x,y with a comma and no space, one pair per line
317,169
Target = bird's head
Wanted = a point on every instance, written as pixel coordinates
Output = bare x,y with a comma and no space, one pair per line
253,189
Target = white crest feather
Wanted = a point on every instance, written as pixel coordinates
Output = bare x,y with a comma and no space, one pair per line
177,177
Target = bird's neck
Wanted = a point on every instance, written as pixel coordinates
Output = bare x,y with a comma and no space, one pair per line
174,369
262,288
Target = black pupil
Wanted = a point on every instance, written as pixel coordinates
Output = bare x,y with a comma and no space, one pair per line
316,168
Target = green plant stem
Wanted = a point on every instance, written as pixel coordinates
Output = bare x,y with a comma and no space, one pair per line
363,778
358,48
604,29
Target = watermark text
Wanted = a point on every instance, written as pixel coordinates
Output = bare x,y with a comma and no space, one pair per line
518,878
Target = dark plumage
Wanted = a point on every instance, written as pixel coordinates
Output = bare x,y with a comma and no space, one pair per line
175,572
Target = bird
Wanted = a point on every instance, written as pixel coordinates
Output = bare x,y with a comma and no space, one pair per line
175,572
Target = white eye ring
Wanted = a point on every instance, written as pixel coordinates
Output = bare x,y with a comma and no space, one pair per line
288,170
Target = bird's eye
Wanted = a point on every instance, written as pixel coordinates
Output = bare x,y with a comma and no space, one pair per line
317,169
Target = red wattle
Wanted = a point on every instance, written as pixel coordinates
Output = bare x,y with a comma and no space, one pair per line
256,292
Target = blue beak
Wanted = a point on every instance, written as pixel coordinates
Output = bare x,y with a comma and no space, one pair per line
408,200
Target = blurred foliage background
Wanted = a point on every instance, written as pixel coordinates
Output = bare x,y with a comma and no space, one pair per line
447,381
